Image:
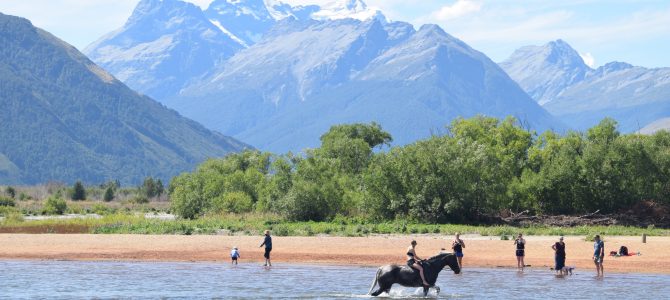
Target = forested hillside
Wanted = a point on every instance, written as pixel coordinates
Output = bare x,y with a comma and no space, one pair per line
62,118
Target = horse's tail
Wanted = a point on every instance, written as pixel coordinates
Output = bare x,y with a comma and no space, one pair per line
374,283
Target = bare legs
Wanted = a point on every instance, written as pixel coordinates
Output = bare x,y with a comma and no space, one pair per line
460,264
600,272
418,267
520,263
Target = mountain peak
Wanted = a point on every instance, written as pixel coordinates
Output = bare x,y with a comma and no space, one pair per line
560,52
544,71
148,8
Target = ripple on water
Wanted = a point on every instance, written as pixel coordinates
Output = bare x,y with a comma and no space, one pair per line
72,279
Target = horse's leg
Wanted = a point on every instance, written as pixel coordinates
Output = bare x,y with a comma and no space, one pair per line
377,292
437,291
382,288
425,291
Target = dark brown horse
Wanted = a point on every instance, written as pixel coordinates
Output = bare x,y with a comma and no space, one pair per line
409,277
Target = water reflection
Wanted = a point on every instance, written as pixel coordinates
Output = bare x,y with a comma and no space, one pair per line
71,279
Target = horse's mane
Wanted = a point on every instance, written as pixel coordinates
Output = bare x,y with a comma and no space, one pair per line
439,256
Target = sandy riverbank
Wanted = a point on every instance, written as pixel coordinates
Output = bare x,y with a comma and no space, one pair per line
373,251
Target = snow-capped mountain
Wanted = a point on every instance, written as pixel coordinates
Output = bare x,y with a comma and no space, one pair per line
250,20
167,43
292,72
162,46
283,92
556,77
545,71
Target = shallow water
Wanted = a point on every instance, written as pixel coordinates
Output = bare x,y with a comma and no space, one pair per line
76,280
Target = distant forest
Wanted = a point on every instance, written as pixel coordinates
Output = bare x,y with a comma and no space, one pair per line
482,166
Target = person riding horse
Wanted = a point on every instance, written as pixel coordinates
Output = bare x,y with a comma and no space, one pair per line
413,261
389,275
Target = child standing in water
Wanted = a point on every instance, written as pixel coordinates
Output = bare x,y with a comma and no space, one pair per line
234,255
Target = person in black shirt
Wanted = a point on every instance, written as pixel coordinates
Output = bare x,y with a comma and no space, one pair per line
458,246
559,257
520,251
267,242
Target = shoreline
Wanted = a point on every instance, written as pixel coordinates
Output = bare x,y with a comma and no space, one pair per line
480,252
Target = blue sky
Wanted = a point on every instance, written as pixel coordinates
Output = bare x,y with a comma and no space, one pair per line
637,32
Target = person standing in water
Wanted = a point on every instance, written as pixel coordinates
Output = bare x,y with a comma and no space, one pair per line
413,261
267,242
520,252
234,255
458,246
559,256
599,255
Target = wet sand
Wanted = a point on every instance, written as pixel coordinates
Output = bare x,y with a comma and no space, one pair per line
369,251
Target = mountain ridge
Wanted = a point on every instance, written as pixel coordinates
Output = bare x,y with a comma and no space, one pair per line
580,95
66,119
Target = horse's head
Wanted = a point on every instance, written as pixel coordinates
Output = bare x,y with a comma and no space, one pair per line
452,262
446,259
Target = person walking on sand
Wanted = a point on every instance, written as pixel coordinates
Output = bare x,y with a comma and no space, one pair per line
458,246
267,242
599,255
520,252
559,256
234,255
413,261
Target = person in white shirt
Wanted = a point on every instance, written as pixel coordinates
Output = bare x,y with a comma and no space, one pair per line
234,255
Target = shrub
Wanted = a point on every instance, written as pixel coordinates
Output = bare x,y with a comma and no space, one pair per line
13,217
100,209
78,192
139,199
109,194
11,192
235,202
7,202
54,206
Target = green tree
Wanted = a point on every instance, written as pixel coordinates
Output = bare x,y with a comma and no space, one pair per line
109,194
11,192
78,192
187,198
54,206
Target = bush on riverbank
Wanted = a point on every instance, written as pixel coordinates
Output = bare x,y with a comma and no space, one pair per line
481,167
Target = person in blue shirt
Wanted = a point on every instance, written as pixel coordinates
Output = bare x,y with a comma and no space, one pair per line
267,242
598,255
234,255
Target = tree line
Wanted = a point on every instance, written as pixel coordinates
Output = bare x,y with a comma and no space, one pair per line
482,166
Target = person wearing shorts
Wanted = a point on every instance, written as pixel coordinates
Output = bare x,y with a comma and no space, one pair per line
267,242
457,245
234,255
520,244
599,255
559,256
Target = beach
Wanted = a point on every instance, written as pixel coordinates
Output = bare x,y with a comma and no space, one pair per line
480,251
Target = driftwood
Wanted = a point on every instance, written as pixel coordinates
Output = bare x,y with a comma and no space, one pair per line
650,214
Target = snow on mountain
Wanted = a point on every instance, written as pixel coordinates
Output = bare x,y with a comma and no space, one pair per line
344,9
250,20
162,46
556,77
545,71
283,92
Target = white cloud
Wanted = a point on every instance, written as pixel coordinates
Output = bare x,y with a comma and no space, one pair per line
459,9
588,59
